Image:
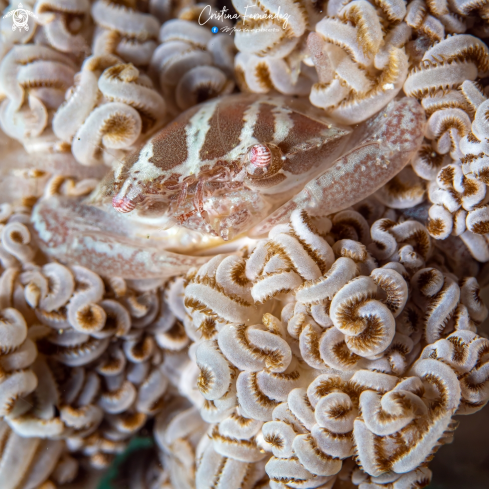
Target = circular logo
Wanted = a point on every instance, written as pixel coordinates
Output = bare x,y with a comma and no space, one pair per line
20,19
215,30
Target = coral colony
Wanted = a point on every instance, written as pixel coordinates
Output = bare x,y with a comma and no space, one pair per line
259,235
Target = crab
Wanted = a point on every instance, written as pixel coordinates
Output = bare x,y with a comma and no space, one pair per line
222,172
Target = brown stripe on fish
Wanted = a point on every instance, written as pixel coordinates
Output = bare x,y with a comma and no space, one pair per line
169,145
224,131
265,124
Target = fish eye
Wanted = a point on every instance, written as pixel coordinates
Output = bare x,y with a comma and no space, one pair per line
263,160
260,155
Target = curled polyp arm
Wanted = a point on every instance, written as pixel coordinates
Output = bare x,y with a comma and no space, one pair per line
184,30
81,418
223,51
440,309
392,412
394,286
113,362
478,220
137,53
320,58
215,374
113,125
302,262
480,126
313,459
151,391
381,234
61,286
13,330
20,358
44,71
335,352
262,74
231,473
252,392
460,47
428,77
123,83
54,16
397,37
276,386
140,349
336,412
272,36
17,384
346,36
352,222
81,354
28,122
445,381
446,128
426,282
126,21
348,248
16,239
477,245
367,323
19,58
304,229
308,344
35,286
325,287
414,234
201,83
469,296
445,100
239,427
83,314
472,94
253,348
118,320
388,85
322,385
119,400
246,450
220,409
174,58
440,225
230,274
299,405
279,469
204,294
81,100
363,15
279,436
66,470
319,313
275,282
469,191
404,191
28,461
335,445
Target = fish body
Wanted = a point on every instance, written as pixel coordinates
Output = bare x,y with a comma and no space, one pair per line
231,167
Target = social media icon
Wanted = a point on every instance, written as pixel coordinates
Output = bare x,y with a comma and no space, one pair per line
215,30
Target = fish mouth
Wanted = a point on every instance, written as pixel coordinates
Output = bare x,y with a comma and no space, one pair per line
226,212
123,204
213,203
